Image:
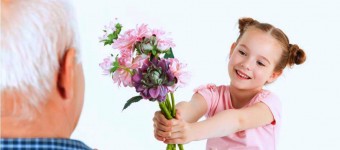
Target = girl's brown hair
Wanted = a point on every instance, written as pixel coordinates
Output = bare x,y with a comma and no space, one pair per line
291,53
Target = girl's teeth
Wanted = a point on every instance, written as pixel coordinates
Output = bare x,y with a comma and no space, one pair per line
242,75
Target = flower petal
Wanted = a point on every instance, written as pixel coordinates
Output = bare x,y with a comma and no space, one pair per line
136,78
163,91
139,88
154,92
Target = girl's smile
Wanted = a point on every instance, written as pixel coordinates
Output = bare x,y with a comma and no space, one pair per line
242,75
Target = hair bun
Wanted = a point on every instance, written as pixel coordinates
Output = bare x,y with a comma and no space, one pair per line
244,22
297,55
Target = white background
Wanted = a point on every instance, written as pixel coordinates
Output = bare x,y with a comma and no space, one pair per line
203,32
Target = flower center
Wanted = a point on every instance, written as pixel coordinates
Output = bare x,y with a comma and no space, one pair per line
155,77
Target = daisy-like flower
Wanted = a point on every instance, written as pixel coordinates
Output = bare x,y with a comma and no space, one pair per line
128,40
163,41
181,75
127,64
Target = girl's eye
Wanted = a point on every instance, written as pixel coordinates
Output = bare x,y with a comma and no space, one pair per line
260,63
242,52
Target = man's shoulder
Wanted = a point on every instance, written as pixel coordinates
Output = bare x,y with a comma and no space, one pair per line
42,143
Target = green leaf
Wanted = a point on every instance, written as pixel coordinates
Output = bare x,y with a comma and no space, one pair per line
169,54
115,36
118,29
116,63
111,36
118,26
132,100
113,69
107,42
154,52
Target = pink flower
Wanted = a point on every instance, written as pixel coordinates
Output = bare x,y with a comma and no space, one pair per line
142,31
163,42
125,41
106,65
178,70
138,61
126,60
125,57
122,76
129,38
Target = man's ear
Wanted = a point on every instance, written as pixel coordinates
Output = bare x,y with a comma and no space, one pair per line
66,74
274,76
232,49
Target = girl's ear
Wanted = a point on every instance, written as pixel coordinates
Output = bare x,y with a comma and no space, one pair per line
232,49
274,76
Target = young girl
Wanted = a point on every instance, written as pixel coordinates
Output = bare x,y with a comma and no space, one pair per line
242,115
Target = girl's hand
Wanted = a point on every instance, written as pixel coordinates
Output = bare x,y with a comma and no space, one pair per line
162,126
188,113
181,131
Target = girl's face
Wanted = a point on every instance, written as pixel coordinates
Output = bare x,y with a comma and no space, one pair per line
253,59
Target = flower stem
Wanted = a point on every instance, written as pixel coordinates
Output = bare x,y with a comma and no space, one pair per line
169,147
164,106
165,110
168,104
173,111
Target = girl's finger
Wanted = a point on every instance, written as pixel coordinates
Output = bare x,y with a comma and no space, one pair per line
161,127
161,119
174,141
159,138
162,134
175,135
177,128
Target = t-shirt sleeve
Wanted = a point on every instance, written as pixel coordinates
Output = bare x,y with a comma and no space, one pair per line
211,95
274,104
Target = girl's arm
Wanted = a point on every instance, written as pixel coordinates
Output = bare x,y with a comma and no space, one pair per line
222,124
193,110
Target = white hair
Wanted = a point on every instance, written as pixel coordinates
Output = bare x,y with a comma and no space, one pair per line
35,35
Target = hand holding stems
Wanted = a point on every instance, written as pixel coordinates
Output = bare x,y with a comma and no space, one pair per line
179,130
174,131
168,109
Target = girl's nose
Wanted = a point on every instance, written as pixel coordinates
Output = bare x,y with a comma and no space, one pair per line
247,65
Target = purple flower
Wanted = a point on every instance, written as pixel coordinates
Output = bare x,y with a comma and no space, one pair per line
153,79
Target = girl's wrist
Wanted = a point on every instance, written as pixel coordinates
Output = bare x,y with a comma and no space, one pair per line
195,134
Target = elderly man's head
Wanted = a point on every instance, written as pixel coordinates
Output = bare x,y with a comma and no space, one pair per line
42,83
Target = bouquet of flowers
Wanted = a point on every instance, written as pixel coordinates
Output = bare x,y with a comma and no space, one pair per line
146,62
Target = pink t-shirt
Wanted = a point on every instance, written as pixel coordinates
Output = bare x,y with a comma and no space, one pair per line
261,138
